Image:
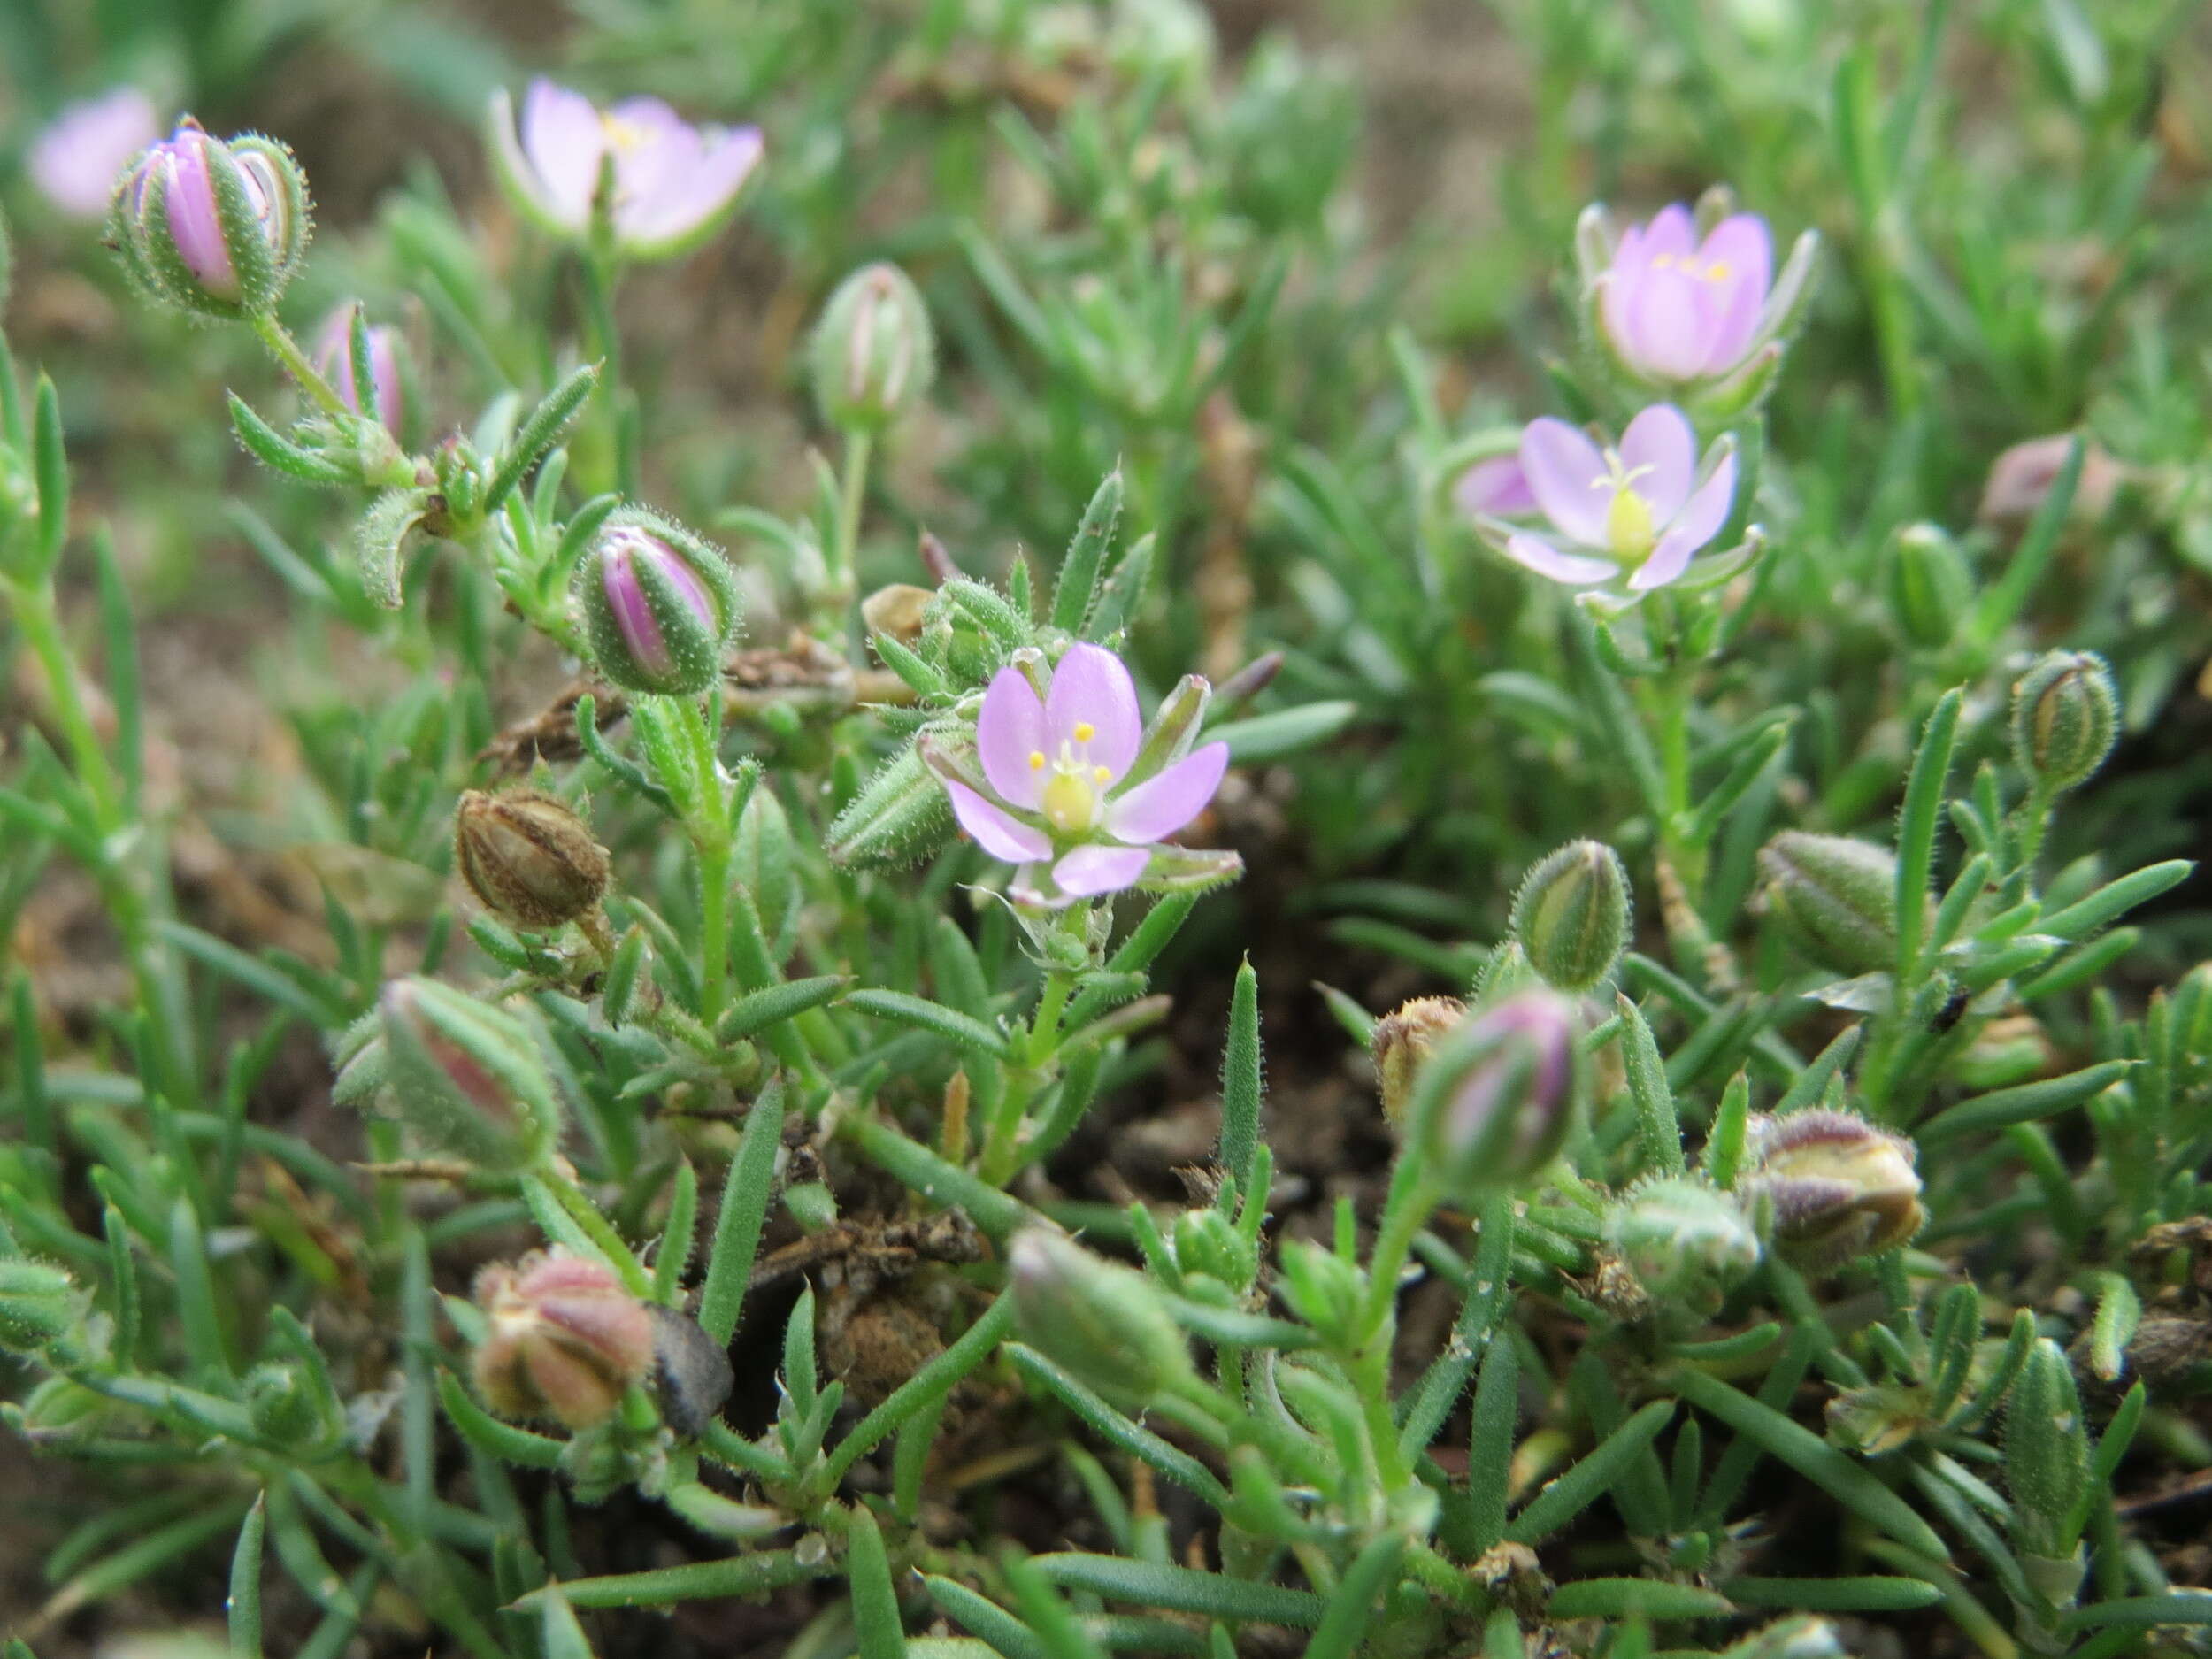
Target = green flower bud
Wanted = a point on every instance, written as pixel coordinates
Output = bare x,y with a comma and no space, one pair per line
1836,897
466,1077
1324,1289
2047,1468
1928,586
659,604
1686,1240
288,1410
902,814
212,226
1208,1246
873,353
1838,1187
2065,716
1571,915
61,1409
38,1306
527,857
1402,1040
1103,1322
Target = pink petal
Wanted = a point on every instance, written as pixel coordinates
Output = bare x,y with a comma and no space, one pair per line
1536,554
1091,687
1661,450
78,157
1089,871
1157,807
1666,329
564,139
1668,561
1707,509
715,168
1495,489
1010,730
1740,246
1673,230
997,833
194,225
1565,472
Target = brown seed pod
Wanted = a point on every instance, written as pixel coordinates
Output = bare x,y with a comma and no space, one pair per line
528,858
564,1341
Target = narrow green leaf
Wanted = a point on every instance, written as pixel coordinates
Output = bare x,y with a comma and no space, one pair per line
1181,1589
923,1015
757,1010
243,1610
1657,1128
1078,588
988,1619
925,1388
1354,1605
664,1586
875,1602
745,1195
540,433
1112,1425
1564,1499
2025,1102
1282,731
50,459
2115,899
1872,1594
1625,1598
1241,1083
1917,826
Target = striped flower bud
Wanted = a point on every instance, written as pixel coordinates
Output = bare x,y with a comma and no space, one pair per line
1838,1187
466,1077
2065,716
1928,586
563,1340
528,858
1836,898
873,354
1571,915
38,1306
212,225
1497,1096
659,604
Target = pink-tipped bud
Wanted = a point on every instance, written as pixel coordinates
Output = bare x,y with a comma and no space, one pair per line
564,1339
212,225
386,384
659,604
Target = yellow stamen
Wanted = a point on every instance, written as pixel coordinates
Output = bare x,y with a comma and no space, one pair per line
1036,760
1085,731
1103,774
1717,271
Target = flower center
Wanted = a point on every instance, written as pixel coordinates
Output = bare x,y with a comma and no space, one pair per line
1070,797
622,135
1630,531
1717,271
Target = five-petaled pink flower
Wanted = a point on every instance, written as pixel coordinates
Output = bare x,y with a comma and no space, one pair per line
1066,800
1642,509
671,183
79,155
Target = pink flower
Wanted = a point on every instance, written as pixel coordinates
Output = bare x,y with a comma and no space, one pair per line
1063,796
334,358
672,182
78,158
1644,508
1679,308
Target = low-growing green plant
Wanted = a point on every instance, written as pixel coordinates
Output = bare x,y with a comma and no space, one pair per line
1747,1194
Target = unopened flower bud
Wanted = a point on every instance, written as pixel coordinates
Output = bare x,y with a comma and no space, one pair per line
288,1410
1836,897
874,351
528,858
659,604
386,382
2020,481
1402,1040
1324,1289
1571,915
896,609
1497,1096
563,1340
2065,716
38,1306
1685,1239
1929,586
1840,1187
1208,1246
1102,1321
466,1077
212,225
2047,1467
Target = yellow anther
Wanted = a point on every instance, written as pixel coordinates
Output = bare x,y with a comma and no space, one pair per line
1036,760
1103,774
1717,271
1085,731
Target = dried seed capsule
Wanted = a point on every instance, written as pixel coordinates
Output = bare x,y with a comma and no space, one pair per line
659,604
874,353
1402,1040
564,1339
897,610
2065,716
1571,915
1840,1187
527,857
1836,897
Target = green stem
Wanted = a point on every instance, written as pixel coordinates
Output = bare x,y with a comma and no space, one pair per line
600,270
287,351
574,1199
41,626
